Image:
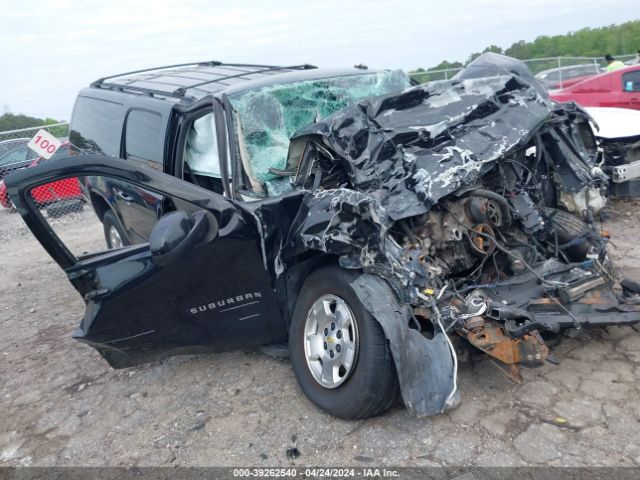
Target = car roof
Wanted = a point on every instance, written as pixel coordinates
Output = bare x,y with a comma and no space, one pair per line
596,79
568,67
14,140
193,81
11,144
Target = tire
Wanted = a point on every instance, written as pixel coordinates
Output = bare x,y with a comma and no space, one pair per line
112,231
568,227
370,386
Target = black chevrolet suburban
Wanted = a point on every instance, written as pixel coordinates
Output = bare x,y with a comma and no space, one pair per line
183,119
385,229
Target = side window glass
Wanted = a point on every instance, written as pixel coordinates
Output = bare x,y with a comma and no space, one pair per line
631,81
91,214
143,137
96,126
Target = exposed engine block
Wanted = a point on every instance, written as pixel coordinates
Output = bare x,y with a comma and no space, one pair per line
457,235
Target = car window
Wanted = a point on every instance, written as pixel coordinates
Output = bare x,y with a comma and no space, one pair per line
143,136
90,215
96,126
631,81
62,152
583,71
20,154
553,76
267,117
9,145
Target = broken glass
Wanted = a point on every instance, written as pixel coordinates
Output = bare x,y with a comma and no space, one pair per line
269,116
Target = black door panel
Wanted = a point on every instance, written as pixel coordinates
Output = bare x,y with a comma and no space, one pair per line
196,302
217,296
139,209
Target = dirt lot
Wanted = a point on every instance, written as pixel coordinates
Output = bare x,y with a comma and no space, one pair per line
60,403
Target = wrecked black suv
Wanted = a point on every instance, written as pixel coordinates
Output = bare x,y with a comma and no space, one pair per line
385,235
185,129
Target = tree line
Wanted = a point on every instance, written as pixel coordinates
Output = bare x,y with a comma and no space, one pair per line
587,42
12,121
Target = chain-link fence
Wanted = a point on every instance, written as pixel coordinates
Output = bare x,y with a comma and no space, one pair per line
554,72
59,130
56,199
81,220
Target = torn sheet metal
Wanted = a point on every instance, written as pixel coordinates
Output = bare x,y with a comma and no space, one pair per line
469,201
425,366
615,123
428,141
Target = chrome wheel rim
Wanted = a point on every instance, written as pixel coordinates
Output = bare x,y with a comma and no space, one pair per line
115,240
331,341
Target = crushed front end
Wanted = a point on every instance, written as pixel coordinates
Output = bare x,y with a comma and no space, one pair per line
471,208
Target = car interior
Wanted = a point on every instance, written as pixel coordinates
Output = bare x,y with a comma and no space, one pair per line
201,159
202,163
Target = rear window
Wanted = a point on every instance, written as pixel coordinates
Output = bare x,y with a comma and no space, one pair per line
143,139
96,126
17,155
631,81
9,145
583,71
553,76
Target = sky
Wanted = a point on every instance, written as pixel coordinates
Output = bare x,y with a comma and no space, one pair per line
50,49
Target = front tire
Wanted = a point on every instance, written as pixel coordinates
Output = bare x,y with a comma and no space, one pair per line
339,353
113,234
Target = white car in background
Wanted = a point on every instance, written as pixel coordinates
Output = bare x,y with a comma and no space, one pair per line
618,132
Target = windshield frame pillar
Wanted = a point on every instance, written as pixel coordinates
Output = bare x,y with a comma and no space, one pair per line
219,117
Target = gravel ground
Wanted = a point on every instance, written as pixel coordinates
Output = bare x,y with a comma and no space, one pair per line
61,404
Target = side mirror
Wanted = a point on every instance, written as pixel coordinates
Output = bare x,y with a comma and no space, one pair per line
178,232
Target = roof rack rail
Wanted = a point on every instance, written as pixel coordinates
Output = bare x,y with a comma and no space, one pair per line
211,63
181,91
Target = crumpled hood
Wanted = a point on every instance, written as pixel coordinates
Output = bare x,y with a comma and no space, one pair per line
428,141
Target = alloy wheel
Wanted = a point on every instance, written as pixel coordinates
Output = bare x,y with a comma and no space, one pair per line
331,341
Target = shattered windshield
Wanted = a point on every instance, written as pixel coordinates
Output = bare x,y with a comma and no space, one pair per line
269,116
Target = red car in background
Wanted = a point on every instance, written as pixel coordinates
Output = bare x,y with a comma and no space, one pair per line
67,189
620,88
563,77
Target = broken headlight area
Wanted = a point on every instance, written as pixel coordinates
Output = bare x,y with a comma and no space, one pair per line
475,202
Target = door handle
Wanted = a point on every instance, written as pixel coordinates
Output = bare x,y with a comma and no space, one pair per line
94,294
124,196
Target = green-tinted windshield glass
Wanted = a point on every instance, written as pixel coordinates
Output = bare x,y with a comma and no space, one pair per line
269,116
